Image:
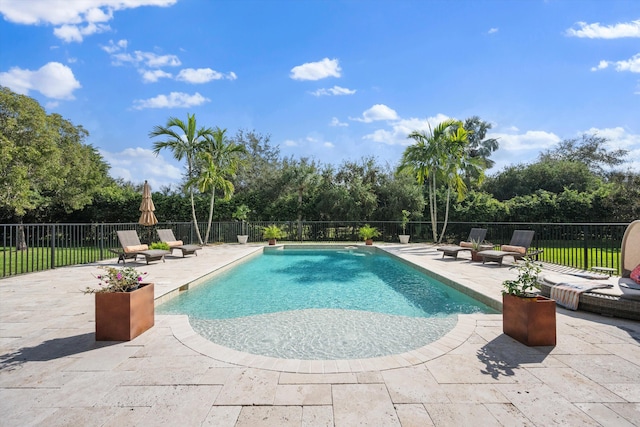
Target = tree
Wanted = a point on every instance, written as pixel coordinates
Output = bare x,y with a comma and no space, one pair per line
548,174
45,166
217,163
479,147
258,179
439,156
591,151
184,143
300,176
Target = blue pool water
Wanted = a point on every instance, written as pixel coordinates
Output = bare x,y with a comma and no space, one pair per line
328,304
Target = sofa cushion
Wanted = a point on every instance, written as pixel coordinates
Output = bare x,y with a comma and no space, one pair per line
519,249
466,244
135,248
174,243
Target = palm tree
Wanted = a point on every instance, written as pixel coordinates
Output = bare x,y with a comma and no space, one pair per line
439,157
185,142
300,176
218,161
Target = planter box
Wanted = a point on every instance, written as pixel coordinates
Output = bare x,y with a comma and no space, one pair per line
242,239
122,316
532,321
368,242
404,238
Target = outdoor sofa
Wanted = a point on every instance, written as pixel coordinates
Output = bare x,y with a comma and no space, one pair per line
621,298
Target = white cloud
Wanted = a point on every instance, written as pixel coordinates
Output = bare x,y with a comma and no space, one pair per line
632,64
400,129
173,100
148,59
115,47
316,70
492,31
73,19
601,66
142,61
152,76
336,122
203,75
377,112
53,80
138,164
336,90
530,140
290,143
76,33
597,31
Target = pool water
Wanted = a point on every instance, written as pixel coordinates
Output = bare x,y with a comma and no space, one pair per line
322,304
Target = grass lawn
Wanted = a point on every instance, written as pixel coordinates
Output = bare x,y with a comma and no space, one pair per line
14,262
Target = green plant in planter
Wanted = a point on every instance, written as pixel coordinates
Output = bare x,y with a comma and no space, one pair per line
241,214
273,232
475,244
405,220
159,245
526,281
367,232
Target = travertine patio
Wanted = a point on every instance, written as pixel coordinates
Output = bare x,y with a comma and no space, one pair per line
53,372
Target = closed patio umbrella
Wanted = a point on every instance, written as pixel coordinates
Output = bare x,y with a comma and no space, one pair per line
147,217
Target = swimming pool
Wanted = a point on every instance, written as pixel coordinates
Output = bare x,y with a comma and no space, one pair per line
322,304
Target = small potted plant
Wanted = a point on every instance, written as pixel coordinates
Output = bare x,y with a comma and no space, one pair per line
241,214
527,316
124,304
404,237
476,246
160,245
272,233
367,233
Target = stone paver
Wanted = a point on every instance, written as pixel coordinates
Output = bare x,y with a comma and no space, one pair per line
53,372
363,405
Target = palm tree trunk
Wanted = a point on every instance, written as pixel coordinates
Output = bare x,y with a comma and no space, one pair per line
193,214
213,198
300,189
433,209
446,214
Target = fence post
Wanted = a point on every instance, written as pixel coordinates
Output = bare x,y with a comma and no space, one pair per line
586,247
102,240
52,233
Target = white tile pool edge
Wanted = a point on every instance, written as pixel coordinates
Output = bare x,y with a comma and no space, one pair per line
182,330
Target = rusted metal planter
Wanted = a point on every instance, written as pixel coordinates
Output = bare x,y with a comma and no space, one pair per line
122,316
368,242
531,321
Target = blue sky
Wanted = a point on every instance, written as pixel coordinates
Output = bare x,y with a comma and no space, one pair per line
331,80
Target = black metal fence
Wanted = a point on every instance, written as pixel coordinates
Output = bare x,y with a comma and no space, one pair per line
34,247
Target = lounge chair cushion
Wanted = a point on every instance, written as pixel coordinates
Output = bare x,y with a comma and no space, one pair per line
466,244
174,243
519,249
635,274
135,248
